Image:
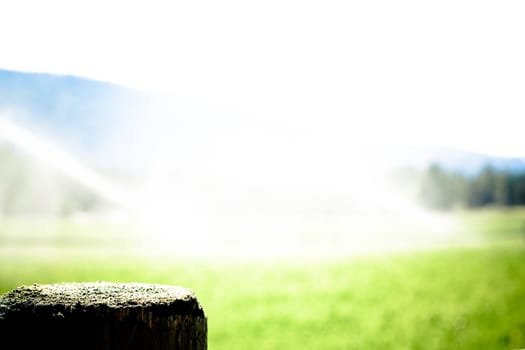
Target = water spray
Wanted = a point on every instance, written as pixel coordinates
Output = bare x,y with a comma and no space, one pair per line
53,155
168,216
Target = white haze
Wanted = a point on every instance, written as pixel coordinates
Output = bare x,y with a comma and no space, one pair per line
261,192
296,101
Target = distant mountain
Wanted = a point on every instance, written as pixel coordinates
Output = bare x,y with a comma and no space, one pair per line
85,115
101,123
79,113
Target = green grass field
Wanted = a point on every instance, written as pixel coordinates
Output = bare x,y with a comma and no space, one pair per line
456,298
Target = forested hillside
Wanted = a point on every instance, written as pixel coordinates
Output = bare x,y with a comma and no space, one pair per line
445,189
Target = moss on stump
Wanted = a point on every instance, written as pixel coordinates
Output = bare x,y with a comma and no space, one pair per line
102,315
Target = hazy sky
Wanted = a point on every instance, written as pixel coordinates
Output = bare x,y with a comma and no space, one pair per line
418,72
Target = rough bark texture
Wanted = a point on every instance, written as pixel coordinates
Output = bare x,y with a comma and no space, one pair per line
102,316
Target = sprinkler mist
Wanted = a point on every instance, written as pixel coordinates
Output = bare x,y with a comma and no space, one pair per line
162,221
44,150
173,219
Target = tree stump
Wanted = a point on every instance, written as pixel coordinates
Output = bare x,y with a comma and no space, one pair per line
102,315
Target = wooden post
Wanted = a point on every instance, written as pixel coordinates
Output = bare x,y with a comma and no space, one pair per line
102,315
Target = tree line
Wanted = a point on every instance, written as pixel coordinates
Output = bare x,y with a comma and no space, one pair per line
443,189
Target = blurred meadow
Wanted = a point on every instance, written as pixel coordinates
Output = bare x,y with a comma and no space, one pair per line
467,297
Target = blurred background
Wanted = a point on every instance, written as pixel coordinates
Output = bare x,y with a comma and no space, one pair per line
331,176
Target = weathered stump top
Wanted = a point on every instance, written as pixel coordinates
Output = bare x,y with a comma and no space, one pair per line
103,315
100,295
